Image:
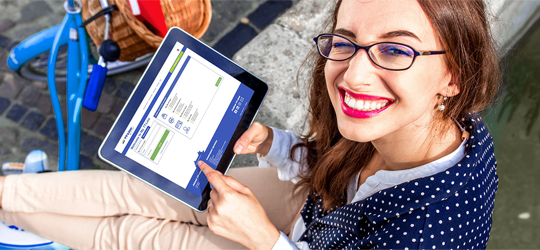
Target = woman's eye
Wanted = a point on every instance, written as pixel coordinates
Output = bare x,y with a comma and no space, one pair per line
342,46
395,51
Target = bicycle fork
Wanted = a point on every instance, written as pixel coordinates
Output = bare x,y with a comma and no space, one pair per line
77,76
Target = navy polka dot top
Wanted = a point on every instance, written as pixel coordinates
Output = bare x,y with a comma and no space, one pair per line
449,210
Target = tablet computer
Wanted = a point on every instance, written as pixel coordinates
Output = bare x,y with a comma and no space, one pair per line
191,104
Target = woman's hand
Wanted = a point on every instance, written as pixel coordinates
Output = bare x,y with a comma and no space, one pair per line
257,139
235,213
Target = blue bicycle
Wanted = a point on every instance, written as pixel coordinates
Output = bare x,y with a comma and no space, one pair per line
66,47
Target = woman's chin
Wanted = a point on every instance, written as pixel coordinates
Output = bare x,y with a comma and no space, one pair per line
355,135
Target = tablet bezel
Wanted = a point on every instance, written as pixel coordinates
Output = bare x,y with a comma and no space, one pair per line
107,150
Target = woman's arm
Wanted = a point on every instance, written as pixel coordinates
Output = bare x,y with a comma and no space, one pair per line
279,156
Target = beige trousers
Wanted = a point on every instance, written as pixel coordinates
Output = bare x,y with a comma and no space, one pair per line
112,210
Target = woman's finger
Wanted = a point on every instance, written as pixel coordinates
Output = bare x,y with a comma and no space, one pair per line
236,185
213,177
255,134
214,195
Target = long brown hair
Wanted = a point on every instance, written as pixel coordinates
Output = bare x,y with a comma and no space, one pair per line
463,31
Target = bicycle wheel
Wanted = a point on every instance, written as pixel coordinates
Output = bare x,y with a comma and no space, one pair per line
36,68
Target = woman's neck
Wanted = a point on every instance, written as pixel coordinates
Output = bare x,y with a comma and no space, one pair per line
412,148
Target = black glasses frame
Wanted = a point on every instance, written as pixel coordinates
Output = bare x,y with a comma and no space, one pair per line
366,48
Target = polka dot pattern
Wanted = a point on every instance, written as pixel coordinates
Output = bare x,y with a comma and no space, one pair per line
449,210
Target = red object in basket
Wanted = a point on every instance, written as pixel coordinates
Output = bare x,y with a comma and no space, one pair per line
149,12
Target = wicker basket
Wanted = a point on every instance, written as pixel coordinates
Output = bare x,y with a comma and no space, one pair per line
133,37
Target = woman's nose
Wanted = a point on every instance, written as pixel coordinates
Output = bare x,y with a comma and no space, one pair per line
360,69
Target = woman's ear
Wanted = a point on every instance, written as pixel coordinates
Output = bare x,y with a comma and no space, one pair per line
451,87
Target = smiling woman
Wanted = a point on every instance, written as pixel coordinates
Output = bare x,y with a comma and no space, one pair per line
396,155
383,117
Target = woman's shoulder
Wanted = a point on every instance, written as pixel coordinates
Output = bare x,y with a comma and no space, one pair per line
451,207
473,177
446,210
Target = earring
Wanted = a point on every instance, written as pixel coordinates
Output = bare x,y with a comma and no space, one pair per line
441,107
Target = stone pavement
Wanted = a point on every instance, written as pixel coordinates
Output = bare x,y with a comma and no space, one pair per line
26,117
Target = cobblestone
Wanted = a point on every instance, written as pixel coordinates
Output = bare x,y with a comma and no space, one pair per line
83,135
267,12
88,118
8,135
106,103
3,61
40,85
103,125
90,145
16,112
109,85
44,104
85,162
125,90
11,45
33,121
30,144
118,106
61,88
4,41
34,10
225,13
10,88
6,25
4,104
49,129
30,96
8,140
235,40
26,17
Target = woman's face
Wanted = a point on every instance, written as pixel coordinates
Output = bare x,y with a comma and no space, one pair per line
407,99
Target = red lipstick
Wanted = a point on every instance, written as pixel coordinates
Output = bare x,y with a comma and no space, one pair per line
359,113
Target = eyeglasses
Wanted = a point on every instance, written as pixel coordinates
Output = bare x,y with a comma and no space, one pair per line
390,56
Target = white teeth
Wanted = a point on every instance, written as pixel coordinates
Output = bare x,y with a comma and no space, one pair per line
352,102
373,105
362,104
359,105
366,105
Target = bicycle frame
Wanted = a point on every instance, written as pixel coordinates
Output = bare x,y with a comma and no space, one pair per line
68,32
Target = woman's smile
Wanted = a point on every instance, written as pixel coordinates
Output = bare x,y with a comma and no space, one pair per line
362,106
371,102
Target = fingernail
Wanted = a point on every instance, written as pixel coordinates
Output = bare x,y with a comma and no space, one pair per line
220,173
199,163
238,148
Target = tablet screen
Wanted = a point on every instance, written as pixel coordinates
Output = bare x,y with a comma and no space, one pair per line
189,113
